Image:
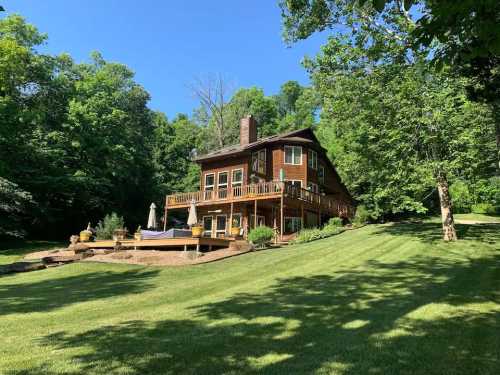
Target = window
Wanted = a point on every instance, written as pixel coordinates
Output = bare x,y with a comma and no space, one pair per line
311,186
237,220
295,183
312,159
260,221
259,161
209,181
207,226
293,224
293,155
321,174
237,178
222,184
220,228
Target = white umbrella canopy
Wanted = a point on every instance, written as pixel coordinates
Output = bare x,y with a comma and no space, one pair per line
152,216
192,218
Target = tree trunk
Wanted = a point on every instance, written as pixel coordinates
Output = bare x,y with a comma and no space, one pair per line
449,232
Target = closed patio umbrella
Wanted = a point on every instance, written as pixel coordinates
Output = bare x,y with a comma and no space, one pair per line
192,219
152,216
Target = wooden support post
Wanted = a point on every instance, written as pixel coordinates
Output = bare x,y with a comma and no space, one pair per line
197,249
302,216
185,247
319,216
165,216
255,214
231,219
282,224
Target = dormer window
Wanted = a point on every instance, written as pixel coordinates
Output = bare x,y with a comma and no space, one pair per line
293,155
312,159
259,161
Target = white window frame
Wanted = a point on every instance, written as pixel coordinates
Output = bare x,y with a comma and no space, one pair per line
294,218
225,185
211,229
217,231
252,220
205,181
293,148
321,177
237,183
264,168
312,159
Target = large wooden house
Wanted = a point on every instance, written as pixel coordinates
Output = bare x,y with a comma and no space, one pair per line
284,181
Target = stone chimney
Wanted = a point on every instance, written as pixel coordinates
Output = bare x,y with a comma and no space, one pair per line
248,130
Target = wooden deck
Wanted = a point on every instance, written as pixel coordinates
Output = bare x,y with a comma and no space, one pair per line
188,242
267,190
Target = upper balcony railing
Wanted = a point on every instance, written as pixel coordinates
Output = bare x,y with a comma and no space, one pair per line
273,189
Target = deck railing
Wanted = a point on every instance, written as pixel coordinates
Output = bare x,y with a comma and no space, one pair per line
272,189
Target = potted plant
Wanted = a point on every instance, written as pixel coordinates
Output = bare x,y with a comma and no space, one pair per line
197,230
235,228
119,234
85,234
138,234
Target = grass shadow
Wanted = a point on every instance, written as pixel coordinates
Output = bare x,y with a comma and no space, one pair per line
408,317
50,294
430,232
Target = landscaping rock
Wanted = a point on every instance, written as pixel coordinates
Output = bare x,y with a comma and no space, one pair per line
78,248
25,266
62,258
102,251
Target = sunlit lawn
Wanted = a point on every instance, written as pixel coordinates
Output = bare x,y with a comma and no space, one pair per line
377,300
478,217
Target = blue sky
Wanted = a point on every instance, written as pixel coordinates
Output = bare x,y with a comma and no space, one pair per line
168,43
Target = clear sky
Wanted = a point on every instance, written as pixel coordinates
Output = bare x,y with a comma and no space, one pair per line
168,43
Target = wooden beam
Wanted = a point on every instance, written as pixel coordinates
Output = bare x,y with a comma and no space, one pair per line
231,219
302,216
282,224
165,216
255,214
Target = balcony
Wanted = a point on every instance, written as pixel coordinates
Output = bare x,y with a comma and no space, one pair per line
266,190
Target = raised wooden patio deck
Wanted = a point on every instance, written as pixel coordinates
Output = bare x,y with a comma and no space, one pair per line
164,242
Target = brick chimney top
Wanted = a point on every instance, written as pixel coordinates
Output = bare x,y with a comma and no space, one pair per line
248,130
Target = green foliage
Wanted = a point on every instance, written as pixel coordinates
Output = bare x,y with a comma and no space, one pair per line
333,227
362,216
106,227
461,197
485,208
261,235
14,204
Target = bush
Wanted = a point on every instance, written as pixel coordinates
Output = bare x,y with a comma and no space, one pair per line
461,197
485,208
107,226
335,222
261,235
362,216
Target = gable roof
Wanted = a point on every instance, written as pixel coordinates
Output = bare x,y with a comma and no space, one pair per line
234,150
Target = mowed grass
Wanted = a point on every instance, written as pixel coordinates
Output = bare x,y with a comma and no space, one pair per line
387,299
478,217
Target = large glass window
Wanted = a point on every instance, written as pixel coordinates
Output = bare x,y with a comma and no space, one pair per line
259,161
293,224
221,223
312,159
237,178
237,220
222,180
293,155
209,181
321,174
207,226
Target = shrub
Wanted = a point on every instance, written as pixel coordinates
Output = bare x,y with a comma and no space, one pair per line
485,208
107,226
362,216
308,235
261,235
335,222
461,197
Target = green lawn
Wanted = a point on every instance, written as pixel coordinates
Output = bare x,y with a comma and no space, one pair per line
13,251
377,300
477,217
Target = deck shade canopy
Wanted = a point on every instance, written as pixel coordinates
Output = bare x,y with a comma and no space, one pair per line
192,219
152,216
